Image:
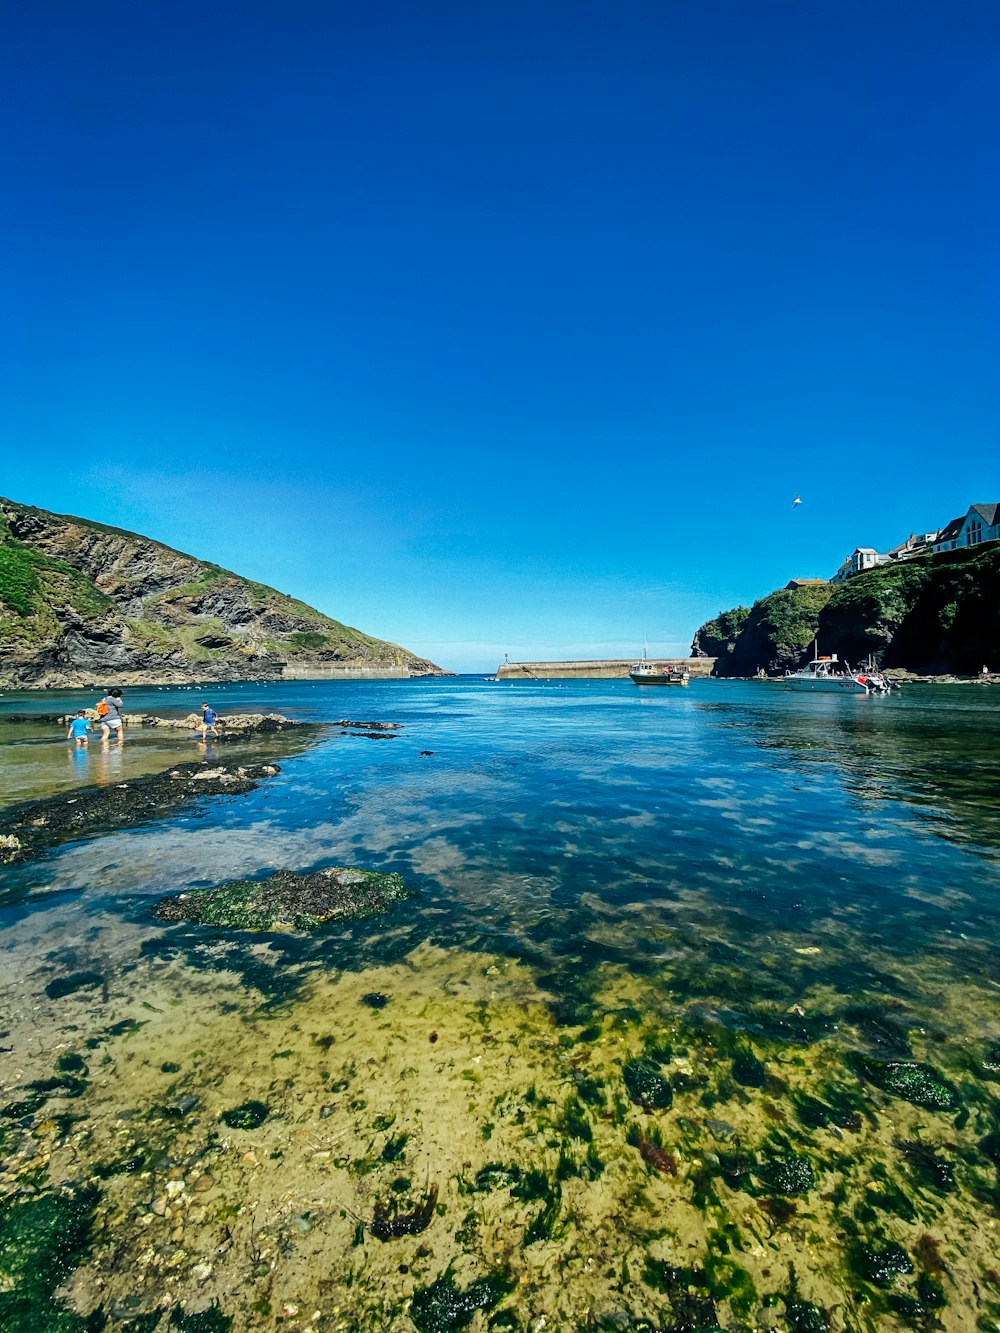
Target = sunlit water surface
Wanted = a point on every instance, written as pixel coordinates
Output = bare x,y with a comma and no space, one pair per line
690,1019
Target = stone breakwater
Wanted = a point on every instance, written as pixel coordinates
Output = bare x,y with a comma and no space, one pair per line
611,668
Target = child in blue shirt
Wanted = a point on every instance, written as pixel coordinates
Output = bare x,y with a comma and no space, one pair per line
79,729
207,724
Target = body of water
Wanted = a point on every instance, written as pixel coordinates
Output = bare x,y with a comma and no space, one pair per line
690,1018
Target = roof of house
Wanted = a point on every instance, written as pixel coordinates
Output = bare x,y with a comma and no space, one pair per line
988,513
951,529
803,583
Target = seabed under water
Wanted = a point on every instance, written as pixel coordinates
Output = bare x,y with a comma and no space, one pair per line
611,1087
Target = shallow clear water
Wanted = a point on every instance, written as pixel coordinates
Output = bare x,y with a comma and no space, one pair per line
599,874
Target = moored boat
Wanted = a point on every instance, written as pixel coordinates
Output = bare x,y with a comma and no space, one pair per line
829,675
658,673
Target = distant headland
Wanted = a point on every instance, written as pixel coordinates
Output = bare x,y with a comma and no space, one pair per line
82,603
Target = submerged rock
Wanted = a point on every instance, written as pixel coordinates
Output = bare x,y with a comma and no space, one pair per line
646,1086
251,1115
880,1265
390,1221
72,983
444,1307
789,1175
287,901
42,1240
917,1083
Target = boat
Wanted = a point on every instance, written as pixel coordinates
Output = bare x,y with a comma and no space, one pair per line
832,676
658,673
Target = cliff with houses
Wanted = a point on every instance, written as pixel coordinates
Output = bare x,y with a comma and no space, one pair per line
931,607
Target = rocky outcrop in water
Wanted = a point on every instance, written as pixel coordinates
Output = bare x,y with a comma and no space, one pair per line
287,901
35,826
82,603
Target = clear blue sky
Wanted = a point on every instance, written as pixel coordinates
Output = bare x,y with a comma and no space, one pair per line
514,326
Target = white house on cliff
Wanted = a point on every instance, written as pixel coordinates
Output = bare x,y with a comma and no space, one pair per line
980,524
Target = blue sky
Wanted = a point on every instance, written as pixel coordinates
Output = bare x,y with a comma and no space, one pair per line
503,327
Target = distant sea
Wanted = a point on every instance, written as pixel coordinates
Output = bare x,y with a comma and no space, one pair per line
691,1014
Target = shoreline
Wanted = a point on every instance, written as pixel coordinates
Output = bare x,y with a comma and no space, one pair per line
31,827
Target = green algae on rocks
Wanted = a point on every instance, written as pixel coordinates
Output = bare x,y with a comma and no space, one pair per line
42,1240
646,1086
443,1307
36,826
251,1115
919,1084
287,901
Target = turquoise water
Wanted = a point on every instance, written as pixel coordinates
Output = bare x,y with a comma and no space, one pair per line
705,880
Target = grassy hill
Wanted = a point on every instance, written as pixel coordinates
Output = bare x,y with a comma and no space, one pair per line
82,602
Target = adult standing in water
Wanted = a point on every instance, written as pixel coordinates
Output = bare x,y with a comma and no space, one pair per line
112,721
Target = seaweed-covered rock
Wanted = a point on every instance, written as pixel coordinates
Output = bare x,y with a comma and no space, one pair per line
250,1115
443,1307
391,1221
881,1264
83,812
747,1069
210,1320
646,1086
287,901
789,1175
928,1168
917,1083
42,1239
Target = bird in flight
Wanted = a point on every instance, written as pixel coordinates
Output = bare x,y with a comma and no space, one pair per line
797,501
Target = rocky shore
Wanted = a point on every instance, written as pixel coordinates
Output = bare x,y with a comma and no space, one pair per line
33,827
29,829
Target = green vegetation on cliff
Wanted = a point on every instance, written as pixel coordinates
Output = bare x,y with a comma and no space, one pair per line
82,602
938,613
33,586
716,637
935,614
776,633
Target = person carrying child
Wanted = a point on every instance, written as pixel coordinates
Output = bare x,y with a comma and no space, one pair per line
79,730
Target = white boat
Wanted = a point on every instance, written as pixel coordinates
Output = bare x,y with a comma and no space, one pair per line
832,676
658,673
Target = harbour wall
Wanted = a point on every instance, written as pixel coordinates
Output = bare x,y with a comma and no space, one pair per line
314,671
608,668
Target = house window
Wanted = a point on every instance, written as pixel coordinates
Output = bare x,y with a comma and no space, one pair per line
975,533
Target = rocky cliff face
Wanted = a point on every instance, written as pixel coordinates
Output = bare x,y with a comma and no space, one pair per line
938,614
775,634
82,603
